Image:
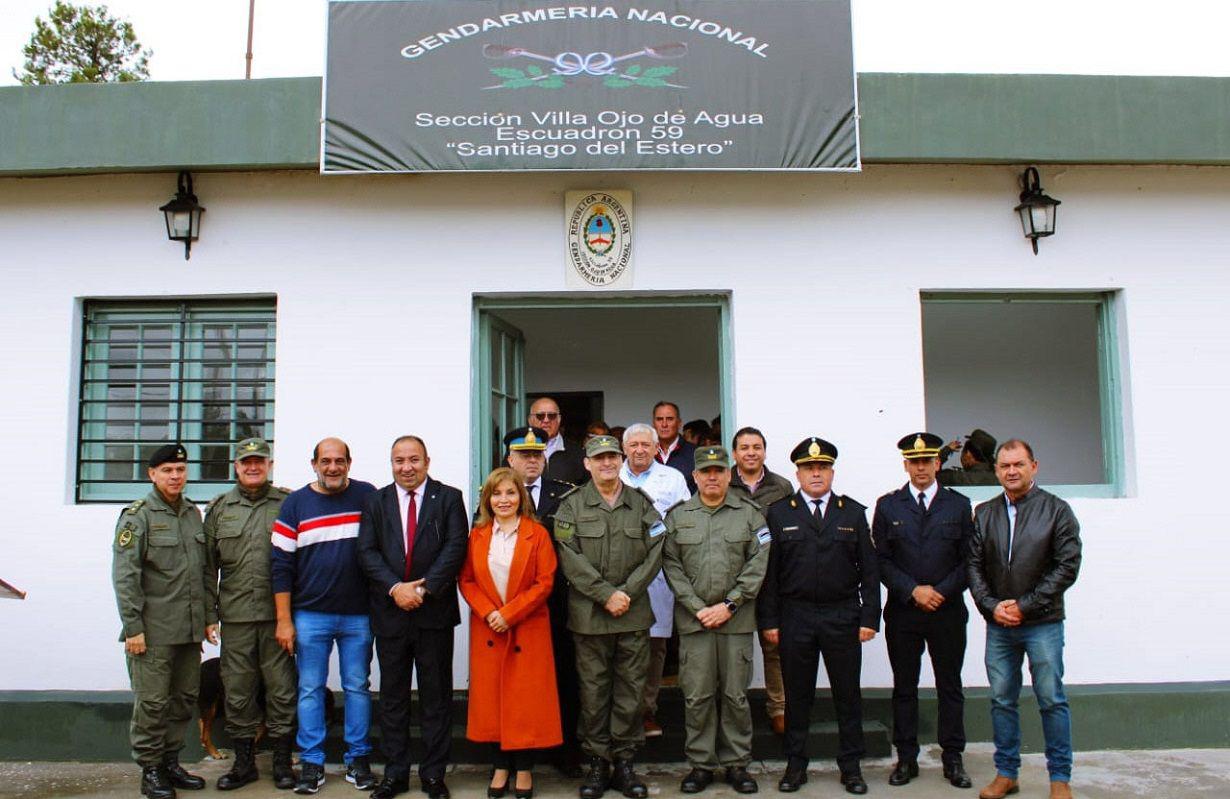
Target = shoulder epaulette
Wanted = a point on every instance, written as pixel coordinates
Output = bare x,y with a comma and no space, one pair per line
843,498
570,491
134,507
563,483
285,490
641,491
672,507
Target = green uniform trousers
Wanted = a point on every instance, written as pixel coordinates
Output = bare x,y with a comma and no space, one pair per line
715,671
165,681
611,669
251,657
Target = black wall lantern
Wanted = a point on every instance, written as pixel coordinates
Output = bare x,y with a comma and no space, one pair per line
1036,209
184,215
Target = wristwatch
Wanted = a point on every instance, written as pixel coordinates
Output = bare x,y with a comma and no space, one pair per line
731,606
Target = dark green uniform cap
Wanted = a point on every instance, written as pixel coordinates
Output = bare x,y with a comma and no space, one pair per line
600,444
707,457
168,453
252,447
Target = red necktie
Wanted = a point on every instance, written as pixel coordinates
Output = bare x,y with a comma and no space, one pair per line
412,524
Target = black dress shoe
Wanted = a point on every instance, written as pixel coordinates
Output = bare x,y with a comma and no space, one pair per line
390,787
854,783
738,778
954,772
903,772
698,779
179,777
792,779
435,788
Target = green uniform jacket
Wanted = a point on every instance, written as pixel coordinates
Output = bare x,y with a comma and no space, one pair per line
713,555
603,550
157,568
237,543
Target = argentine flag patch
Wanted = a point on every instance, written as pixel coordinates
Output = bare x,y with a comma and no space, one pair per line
657,529
762,535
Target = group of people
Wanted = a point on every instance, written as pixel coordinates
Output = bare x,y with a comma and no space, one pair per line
573,587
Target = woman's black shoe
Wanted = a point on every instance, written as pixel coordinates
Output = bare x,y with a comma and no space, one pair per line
498,793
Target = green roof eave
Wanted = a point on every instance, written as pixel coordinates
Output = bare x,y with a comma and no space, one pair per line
905,118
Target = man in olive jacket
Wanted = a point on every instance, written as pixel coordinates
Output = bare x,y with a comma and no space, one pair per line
715,557
1026,551
157,569
609,538
238,525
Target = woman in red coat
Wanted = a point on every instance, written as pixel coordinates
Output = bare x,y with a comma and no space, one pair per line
506,579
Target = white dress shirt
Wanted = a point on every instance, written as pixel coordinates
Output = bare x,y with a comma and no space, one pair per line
554,445
928,493
816,503
403,503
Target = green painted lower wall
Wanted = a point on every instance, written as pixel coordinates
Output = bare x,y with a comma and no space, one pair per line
93,726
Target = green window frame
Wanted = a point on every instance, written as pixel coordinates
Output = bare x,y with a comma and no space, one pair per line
1111,355
200,372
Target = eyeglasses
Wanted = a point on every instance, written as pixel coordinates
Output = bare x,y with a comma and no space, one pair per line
542,417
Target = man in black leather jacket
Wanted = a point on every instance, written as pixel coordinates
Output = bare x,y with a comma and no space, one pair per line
1026,551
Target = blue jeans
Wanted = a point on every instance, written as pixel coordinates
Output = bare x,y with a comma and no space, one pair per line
1043,645
314,636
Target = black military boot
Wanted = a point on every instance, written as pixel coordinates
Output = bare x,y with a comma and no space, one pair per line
243,770
597,778
283,772
155,783
624,779
179,777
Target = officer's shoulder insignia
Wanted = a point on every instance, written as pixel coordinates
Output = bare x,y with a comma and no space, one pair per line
570,491
794,503
763,536
134,507
564,484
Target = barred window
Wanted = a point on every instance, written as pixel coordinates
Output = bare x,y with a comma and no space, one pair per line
200,372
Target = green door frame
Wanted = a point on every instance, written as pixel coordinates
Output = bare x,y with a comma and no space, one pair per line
487,306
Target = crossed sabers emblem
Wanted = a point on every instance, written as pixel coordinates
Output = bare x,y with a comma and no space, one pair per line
598,64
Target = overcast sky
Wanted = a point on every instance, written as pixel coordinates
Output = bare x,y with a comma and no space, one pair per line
205,39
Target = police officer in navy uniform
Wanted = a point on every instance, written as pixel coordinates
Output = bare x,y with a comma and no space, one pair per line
820,598
526,455
922,532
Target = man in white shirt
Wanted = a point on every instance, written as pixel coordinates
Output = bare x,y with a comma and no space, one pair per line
666,486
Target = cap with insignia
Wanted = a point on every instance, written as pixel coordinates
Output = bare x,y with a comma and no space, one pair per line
167,453
813,450
708,457
252,448
917,446
526,439
600,444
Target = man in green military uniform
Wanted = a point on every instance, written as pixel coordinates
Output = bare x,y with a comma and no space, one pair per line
715,557
157,568
609,538
238,526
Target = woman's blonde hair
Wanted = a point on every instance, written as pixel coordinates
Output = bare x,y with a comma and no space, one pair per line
502,475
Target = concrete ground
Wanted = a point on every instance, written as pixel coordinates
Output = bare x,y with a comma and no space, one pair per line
1164,774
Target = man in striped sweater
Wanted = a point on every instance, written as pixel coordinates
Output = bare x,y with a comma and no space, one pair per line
321,598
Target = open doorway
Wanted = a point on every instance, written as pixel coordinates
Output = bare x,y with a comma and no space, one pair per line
608,358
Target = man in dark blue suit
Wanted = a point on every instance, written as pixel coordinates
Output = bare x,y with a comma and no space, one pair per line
922,531
412,542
